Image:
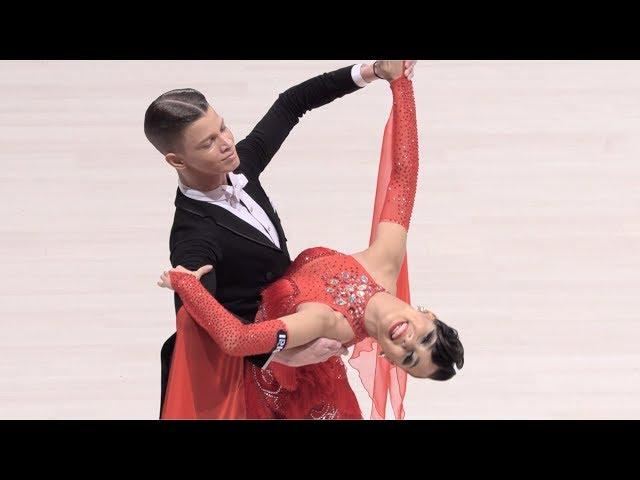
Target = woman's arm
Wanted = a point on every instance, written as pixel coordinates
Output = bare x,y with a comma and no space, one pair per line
238,339
389,246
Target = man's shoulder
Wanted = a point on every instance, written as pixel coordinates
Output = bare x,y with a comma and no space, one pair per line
188,207
192,236
248,161
191,221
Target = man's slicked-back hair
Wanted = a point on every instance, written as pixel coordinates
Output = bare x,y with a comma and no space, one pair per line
168,116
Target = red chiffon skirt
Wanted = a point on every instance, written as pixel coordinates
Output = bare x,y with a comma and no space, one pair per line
204,382
313,392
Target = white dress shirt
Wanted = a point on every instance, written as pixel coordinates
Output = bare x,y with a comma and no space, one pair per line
231,198
357,76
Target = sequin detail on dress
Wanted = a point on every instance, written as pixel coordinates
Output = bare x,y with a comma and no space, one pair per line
233,337
401,192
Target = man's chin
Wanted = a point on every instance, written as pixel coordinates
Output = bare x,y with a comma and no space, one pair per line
230,167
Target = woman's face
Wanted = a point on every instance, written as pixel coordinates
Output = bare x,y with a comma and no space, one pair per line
406,340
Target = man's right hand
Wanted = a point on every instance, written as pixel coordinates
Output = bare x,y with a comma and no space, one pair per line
392,69
318,351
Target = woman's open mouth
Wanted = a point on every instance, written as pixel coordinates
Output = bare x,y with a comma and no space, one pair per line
398,330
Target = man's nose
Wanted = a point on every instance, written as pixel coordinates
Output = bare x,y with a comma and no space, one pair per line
225,143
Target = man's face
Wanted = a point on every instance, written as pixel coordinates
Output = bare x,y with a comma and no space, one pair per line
208,146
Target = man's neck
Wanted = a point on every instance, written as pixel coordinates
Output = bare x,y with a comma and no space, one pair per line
204,184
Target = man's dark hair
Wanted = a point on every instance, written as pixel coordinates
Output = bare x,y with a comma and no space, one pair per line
168,116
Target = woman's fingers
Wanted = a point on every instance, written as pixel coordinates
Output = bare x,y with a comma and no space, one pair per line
203,270
409,66
164,280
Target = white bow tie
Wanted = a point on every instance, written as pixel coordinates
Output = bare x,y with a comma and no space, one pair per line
233,193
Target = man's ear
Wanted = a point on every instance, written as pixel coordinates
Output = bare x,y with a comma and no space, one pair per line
175,161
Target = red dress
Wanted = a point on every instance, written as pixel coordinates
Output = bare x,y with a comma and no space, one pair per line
319,391
317,275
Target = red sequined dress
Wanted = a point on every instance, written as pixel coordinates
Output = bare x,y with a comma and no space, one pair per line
319,391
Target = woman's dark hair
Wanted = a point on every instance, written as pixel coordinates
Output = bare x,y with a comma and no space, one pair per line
446,352
169,114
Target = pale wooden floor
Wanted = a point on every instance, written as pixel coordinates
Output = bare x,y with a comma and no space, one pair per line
525,233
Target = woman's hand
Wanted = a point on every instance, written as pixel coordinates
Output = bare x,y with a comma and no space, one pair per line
165,279
409,65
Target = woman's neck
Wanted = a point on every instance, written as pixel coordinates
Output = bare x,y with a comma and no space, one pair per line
380,308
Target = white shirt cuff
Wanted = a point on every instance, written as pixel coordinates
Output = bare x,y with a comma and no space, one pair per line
357,77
